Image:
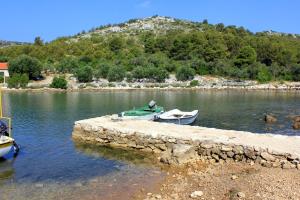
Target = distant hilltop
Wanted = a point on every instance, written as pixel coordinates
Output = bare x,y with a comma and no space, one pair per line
159,25
4,43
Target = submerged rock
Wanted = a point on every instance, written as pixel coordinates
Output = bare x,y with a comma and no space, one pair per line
39,185
296,125
270,119
296,119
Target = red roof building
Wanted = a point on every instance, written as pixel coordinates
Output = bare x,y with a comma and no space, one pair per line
4,70
3,66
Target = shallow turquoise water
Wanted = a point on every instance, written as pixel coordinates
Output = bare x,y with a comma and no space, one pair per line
42,125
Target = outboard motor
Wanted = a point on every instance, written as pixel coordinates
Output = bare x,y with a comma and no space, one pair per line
152,104
3,129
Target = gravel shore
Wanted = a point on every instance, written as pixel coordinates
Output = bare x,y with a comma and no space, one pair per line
228,181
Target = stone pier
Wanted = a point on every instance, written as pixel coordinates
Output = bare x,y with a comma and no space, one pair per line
178,144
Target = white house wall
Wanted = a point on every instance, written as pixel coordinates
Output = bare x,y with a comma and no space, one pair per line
6,73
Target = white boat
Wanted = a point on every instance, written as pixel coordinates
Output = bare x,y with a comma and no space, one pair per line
178,117
6,140
6,144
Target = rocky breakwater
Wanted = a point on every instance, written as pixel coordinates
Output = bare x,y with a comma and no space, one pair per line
176,144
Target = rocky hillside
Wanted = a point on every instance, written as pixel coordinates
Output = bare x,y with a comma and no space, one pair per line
155,24
161,25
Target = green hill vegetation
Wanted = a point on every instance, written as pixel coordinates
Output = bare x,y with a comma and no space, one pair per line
152,48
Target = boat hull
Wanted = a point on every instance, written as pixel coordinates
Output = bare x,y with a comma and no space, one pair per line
5,148
149,117
180,121
6,144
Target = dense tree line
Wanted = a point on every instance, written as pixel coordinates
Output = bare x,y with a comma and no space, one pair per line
207,49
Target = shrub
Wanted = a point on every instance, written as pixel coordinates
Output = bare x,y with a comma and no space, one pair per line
264,75
129,77
171,66
152,73
111,85
200,66
24,79
116,43
68,65
246,56
240,73
26,65
296,72
116,74
160,75
185,73
194,83
59,82
3,58
84,74
254,69
18,80
101,71
138,73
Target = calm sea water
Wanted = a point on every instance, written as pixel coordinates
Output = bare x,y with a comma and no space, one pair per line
50,163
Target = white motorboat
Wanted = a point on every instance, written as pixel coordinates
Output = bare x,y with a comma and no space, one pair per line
6,144
178,117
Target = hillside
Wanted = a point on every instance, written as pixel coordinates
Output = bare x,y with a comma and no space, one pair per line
154,47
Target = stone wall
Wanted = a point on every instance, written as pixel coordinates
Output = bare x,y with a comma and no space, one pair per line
172,150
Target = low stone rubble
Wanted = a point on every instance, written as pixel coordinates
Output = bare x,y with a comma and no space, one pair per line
175,144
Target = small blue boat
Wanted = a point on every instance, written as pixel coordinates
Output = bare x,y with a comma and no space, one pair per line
178,117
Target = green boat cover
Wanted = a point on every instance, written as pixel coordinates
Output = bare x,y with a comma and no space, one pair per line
143,111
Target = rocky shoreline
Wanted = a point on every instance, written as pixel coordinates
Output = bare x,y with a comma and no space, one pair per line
200,83
294,88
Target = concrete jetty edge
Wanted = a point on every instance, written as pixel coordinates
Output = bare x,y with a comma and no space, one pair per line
177,144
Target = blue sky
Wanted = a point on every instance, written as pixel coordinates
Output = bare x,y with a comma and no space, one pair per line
22,20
